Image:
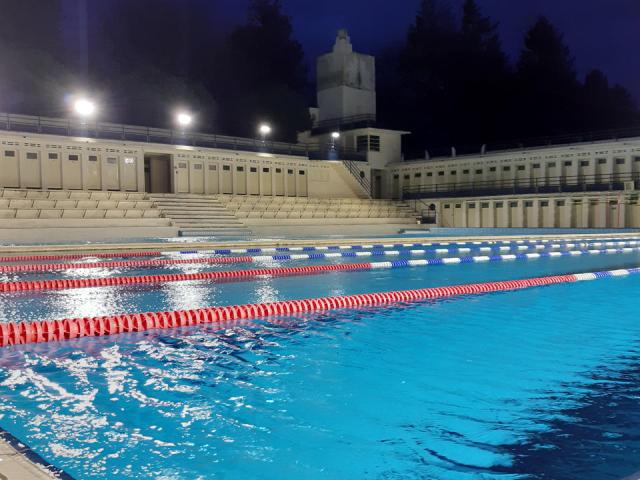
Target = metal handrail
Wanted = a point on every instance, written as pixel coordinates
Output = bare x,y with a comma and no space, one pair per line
355,172
115,131
367,117
558,184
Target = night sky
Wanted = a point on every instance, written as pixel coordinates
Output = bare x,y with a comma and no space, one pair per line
601,34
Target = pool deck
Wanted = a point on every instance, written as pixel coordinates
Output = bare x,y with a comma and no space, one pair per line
18,462
97,248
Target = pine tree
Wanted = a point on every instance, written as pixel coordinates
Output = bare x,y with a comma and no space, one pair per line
265,74
548,84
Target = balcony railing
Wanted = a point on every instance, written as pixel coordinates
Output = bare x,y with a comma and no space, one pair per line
344,123
132,133
568,184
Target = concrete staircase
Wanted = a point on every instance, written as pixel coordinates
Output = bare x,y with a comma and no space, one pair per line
199,215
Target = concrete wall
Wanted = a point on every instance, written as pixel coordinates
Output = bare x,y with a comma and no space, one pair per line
532,166
346,81
605,210
57,162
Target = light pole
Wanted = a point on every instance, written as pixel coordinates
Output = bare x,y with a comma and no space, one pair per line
184,120
264,131
84,108
335,136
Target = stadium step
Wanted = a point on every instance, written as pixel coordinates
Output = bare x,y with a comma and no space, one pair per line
199,215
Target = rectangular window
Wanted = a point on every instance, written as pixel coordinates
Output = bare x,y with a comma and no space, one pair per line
535,165
620,161
568,163
528,203
197,166
212,168
520,167
465,172
559,203
362,143
446,205
506,168
407,177
253,170
93,158
32,156
73,158
53,156
278,170
112,160
479,171
396,176
441,174
584,163
265,170
453,172
636,159
239,169
499,205
491,169
374,143
417,175
182,165
544,203
471,205
226,168
513,204
602,161
551,165
458,205
484,205
129,160
429,174
300,172
9,153
290,171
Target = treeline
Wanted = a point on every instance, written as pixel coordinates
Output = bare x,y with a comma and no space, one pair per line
450,83
144,59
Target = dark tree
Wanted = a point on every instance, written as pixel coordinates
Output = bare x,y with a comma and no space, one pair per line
264,75
483,79
426,70
548,88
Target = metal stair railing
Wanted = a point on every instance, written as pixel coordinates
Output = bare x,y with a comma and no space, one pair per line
363,181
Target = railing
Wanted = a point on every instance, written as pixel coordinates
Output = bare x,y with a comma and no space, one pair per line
578,183
438,153
355,172
114,131
354,121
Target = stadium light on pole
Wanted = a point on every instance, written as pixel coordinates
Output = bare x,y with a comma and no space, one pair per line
84,108
264,130
184,120
335,136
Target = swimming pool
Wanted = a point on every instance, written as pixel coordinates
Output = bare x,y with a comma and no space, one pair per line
536,383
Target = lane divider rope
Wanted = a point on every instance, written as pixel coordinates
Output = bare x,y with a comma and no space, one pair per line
20,333
44,267
227,251
61,284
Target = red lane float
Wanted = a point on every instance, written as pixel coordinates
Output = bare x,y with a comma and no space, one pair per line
45,267
58,284
77,256
67,329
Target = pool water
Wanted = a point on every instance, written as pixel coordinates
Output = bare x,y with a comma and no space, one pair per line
532,384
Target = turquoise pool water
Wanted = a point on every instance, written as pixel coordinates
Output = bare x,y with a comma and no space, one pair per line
533,384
